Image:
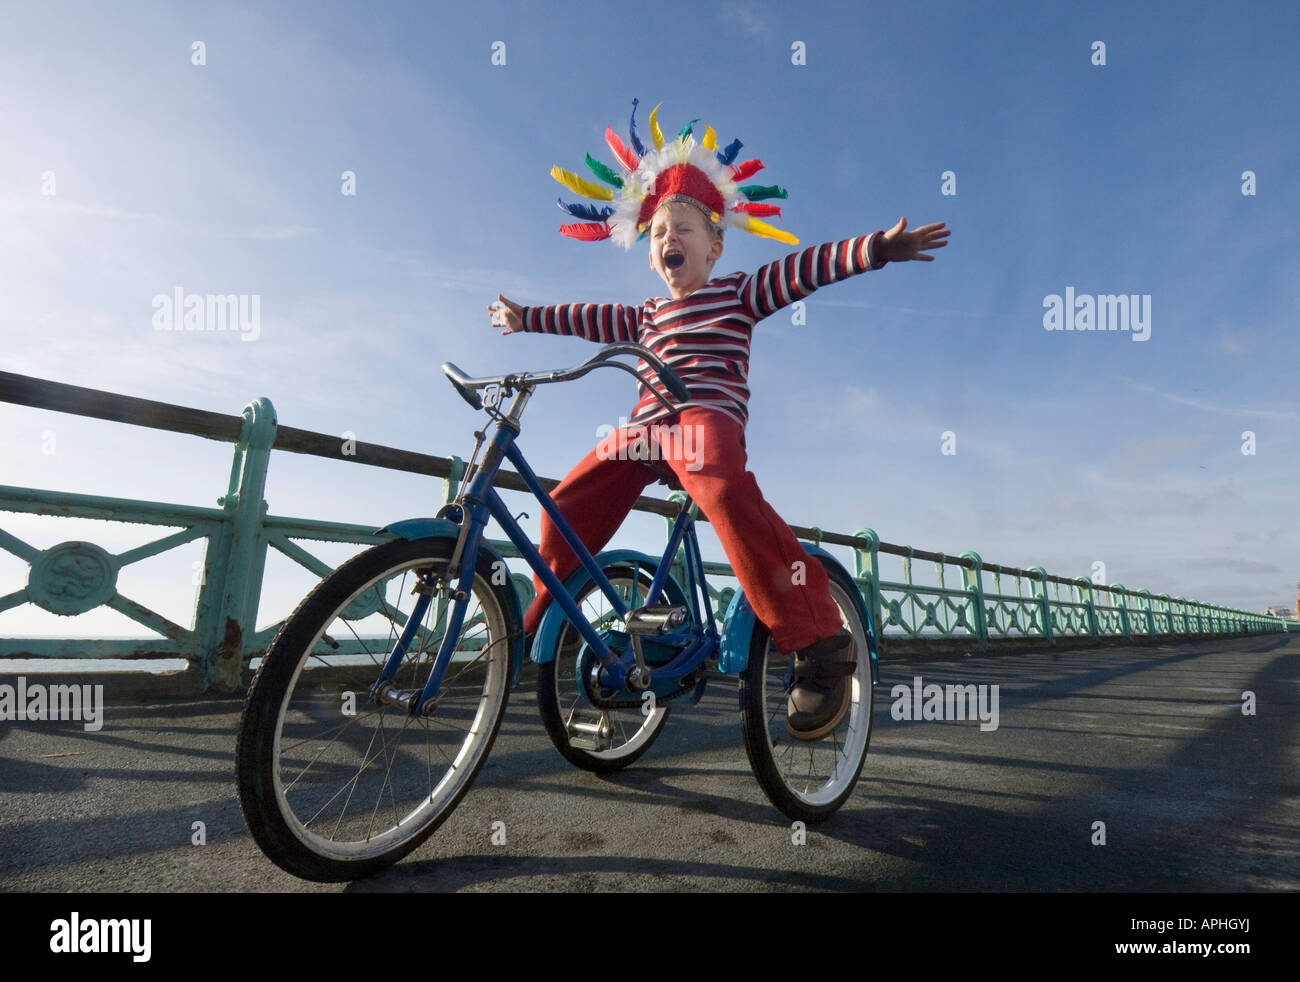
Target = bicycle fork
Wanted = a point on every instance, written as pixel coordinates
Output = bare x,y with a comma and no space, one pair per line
423,702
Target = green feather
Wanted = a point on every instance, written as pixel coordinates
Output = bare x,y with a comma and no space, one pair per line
757,192
606,174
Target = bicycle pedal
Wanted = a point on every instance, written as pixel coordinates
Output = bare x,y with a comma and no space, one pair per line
589,731
657,619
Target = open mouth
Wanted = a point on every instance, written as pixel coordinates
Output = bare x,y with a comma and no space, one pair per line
674,259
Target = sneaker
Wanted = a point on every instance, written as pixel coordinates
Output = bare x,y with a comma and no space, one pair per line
819,695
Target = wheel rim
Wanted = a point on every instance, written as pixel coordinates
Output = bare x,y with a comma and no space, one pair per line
817,772
353,787
630,729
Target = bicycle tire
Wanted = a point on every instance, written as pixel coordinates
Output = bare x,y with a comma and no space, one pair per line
303,680
559,699
814,792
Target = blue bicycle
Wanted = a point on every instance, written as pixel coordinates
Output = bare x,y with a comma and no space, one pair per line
380,697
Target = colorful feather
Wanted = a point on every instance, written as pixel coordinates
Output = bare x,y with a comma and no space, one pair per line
686,130
588,231
656,135
605,173
591,213
625,156
768,232
728,155
758,211
748,169
710,138
757,192
582,186
637,145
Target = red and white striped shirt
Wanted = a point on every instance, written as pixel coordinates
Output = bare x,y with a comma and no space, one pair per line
705,336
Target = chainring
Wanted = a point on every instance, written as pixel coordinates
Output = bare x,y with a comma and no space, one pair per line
655,654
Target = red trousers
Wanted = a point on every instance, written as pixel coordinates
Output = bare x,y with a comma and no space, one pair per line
705,450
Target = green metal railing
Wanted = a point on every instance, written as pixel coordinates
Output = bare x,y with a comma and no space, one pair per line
990,602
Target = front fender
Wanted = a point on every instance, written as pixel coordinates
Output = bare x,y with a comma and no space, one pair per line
441,528
422,528
738,625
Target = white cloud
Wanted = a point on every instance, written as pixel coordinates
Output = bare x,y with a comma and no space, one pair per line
273,233
42,206
1282,415
747,19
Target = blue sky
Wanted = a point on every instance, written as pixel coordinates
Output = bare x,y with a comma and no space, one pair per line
1071,447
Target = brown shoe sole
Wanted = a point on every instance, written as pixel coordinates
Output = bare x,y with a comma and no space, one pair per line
811,735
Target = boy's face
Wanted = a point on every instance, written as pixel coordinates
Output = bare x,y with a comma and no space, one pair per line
683,247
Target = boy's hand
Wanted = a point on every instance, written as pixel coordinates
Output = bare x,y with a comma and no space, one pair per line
899,246
506,314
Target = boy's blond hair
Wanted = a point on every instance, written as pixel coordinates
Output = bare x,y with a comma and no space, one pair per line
709,223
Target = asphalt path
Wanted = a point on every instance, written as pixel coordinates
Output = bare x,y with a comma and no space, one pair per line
1194,794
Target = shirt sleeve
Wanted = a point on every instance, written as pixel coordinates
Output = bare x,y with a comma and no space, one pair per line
604,323
781,283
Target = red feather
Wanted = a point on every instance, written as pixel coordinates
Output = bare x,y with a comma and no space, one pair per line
587,231
625,156
741,171
757,209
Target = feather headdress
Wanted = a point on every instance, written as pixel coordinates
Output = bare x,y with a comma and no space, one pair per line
680,169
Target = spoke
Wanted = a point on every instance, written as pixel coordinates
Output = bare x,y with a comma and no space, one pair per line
465,728
428,760
352,783
343,726
388,771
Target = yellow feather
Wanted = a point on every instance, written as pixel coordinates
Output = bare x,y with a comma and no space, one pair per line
768,232
710,138
656,137
580,185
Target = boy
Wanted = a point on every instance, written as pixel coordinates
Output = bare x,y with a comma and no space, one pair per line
703,332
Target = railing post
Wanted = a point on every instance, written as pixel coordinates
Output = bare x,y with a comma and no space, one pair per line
451,483
1144,599
1044,604
973,581
232,594
866,569
1125,624
1085,590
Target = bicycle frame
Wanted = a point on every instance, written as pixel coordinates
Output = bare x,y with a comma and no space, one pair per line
479,501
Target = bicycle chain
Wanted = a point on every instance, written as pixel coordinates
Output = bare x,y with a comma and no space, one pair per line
688,686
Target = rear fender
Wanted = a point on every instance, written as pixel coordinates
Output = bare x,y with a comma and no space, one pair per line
553,621
739,623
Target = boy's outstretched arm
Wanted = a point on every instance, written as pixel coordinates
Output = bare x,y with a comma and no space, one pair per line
898,245
792,278
506,313
604,323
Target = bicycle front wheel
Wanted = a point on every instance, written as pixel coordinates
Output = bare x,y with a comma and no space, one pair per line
333,786
806,780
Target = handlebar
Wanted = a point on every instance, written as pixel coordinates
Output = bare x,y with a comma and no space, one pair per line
468,387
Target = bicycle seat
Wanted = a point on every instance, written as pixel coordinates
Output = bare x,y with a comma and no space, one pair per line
664,475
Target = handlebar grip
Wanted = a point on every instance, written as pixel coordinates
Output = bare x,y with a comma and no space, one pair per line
451,371
673,383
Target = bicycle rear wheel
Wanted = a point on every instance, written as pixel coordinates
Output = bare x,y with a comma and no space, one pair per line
807,780
333,786
597,740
